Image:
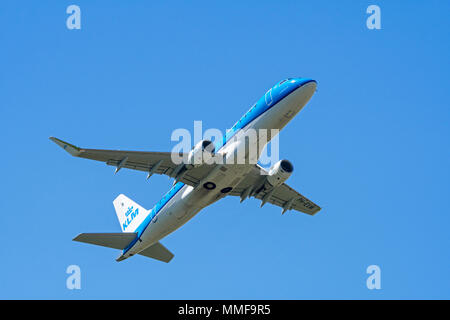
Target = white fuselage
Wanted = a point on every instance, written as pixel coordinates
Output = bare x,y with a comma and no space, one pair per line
188,201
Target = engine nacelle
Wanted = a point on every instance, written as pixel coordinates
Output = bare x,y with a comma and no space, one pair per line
280,172
201,153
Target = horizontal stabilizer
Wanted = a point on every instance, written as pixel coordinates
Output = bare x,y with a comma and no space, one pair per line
158,252
111,240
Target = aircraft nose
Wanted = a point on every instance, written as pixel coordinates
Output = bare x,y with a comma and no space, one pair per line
303,81
306,84
312,84
307,87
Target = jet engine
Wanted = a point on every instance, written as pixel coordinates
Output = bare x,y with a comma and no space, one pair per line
201,153
280,172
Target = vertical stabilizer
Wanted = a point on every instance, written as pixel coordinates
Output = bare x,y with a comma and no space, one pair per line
129,213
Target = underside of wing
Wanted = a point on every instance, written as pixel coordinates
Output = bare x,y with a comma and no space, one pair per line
254,183
283,196
150,162
287,198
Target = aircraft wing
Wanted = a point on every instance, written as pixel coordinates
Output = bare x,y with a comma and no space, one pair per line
150,162
282,196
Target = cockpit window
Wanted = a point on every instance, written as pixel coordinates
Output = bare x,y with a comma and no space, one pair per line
283,81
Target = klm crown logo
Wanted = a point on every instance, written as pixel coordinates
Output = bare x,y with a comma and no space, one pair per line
129,215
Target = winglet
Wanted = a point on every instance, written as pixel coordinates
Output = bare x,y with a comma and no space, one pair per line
70,148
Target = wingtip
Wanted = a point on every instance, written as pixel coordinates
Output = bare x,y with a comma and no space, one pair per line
77,238
316,211
70,148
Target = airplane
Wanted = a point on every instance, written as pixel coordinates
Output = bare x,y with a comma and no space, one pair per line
198,185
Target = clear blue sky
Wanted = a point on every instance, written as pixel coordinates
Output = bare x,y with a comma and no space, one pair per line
371,147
